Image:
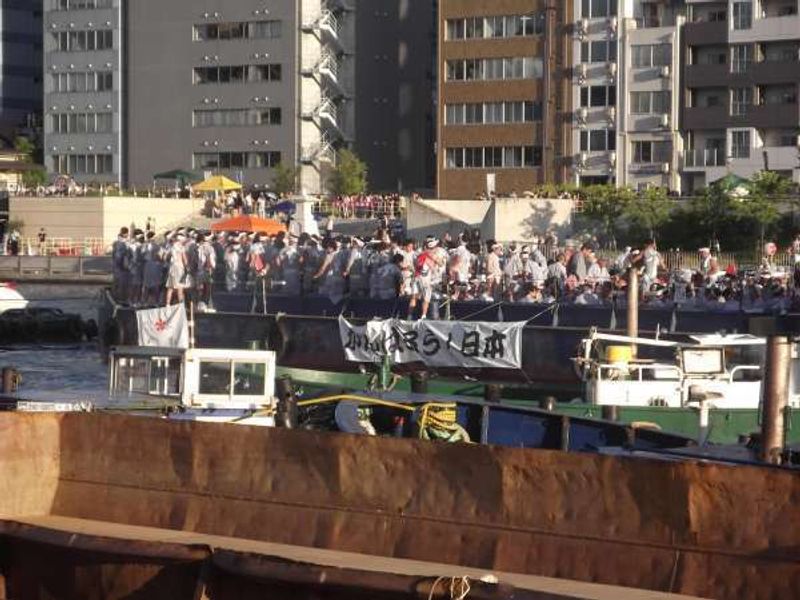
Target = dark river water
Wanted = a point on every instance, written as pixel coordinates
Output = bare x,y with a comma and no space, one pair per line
74,369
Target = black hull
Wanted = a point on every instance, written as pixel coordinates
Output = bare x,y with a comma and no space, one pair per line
305,334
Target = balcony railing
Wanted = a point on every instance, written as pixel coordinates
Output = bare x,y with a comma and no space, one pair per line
711,157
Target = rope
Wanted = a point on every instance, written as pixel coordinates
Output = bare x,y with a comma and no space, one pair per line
459,587
439,421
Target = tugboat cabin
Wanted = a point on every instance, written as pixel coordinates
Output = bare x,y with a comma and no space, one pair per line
199,378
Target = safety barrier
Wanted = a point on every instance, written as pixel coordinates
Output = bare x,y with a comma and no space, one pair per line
12,267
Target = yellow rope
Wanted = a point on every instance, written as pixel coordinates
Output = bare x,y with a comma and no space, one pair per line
355,398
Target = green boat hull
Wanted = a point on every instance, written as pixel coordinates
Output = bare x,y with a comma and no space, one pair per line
726,426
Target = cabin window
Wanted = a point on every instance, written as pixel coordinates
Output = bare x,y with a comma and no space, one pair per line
215,378
133,375
249,379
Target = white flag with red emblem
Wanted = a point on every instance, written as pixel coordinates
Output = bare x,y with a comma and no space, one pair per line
165,327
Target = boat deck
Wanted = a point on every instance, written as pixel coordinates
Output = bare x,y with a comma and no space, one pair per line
120,539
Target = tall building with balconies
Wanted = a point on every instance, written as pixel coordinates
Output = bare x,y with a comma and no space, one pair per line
137,88
595,76
740,111
648,136
503,95
84,89
20,63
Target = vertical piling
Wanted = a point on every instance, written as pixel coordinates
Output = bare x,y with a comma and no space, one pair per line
775,397
633,306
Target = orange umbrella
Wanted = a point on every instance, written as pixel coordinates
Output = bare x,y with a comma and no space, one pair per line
250,224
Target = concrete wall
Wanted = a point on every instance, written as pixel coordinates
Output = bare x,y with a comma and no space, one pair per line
504,219
80,218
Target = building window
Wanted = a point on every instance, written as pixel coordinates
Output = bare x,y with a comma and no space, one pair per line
742,15
236,160
650,102
651,55
237,74
741,100
102,81
501,26
82,122
598,140
84,41
493,157
491,113
83,164
740,144
598,8
598,52
242,30
648,152
741,57
487,69
80,4
599,95
245,117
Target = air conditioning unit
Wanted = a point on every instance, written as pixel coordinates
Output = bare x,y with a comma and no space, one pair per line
665,120
612,23
612,158
582,27
582,70
665,71
583,158
665,167
612,69
612,113
583,114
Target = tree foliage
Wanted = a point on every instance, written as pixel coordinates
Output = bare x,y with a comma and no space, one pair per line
284,179
649,211
760,206
605,205
33,178
25,146
350,175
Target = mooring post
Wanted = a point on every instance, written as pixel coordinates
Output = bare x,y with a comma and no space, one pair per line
493,393
419,382
775,397
633,306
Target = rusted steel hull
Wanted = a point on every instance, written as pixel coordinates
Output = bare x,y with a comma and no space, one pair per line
700,529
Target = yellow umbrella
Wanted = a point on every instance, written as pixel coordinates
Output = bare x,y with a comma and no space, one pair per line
217,183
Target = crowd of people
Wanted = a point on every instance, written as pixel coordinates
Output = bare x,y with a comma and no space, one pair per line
189,263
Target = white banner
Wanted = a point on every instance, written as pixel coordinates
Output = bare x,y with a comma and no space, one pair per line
165,327
434,343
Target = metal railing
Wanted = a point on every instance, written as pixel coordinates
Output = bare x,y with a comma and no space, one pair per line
73,267
711,157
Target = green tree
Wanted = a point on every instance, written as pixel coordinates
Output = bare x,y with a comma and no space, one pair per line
761,203
34,177
25,146
603,207
350,176
711,208
284,179
649,210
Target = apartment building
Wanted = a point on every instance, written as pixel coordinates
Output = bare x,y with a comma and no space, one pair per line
741,79
137,88
503,95
625,82
20,63
84,89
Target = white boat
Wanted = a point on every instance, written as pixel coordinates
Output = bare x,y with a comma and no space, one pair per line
197,384
708,371
10,298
